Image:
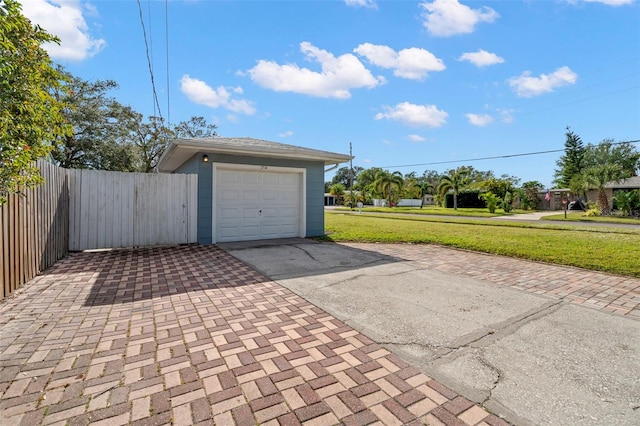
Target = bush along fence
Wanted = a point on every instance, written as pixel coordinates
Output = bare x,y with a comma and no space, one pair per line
34,229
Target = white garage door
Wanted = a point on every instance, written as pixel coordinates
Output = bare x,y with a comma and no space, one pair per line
257,204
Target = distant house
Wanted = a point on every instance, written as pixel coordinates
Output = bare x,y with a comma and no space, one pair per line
612,187
552,199
330,199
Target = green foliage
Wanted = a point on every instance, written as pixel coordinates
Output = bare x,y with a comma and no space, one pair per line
195,127
151,139
454,181
337,189
571,163
491,200
31,118
624,156
343,176
507,202
593,211
626,201
102,128
529,194
388,185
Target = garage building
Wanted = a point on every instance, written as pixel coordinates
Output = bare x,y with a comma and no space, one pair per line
252,189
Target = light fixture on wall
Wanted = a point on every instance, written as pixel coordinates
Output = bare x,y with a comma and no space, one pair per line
205,158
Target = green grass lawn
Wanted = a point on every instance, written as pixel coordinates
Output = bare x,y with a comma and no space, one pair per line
433,210
604,249
579,217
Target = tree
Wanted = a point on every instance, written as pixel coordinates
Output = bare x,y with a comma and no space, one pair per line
624,155
102,135
600,175
31,118
606,163
385,182
454,181
571,163
195,127
529,194
151,139
343,176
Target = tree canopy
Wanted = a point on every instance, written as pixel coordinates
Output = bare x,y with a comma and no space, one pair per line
31,119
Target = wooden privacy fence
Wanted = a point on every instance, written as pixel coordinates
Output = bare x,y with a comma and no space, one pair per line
114,209
90,209
34,229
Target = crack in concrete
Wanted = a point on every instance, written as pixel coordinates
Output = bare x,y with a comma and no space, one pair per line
305,252
499,374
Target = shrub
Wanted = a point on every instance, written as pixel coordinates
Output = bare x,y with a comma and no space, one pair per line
491,200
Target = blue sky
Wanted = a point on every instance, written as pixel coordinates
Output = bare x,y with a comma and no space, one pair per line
406,83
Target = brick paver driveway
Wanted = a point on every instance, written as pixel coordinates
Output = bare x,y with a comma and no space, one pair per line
191,335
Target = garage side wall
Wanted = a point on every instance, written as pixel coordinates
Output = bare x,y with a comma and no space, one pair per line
314,192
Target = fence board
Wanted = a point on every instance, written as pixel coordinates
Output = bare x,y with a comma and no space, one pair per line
34,229
113,209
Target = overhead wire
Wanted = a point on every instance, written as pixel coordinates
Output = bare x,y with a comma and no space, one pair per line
149,64
496,157
166,29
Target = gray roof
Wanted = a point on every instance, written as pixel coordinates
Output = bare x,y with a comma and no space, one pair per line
630,183
180,150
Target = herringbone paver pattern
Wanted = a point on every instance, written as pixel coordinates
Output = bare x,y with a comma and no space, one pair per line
606,292
191,335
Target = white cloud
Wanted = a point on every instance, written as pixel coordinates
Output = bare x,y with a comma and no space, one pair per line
414,115
445,18
479,120
416,138
527,86
64,19
286,134
201,93
337,77
371,4
481,58
413,63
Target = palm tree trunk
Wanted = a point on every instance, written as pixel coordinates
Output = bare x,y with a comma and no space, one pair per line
455,201
603,202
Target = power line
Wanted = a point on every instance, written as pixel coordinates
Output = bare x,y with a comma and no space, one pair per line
497,157
166,29
146,45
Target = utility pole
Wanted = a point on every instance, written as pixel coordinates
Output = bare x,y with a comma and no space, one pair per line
350,177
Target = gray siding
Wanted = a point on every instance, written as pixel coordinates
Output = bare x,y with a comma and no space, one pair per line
205,195
314,183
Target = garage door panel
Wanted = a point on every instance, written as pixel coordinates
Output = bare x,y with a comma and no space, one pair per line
251,195
270,195
290,180
227,195
227,213
257,205
250,178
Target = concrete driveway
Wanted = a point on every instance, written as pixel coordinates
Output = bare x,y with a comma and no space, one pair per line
534,343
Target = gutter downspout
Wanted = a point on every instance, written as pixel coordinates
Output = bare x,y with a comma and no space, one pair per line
335,166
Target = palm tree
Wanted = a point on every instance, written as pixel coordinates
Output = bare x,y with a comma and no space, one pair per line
455,181
598,177
425,188
384,183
